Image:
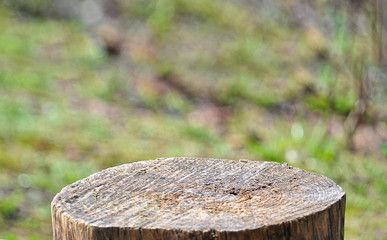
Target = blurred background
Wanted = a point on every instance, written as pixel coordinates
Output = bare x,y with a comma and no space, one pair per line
90,84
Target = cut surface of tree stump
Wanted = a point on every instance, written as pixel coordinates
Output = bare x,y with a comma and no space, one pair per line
196,198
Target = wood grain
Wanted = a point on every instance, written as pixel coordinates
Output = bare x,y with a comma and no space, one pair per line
194,198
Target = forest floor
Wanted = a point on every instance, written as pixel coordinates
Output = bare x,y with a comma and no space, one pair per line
147,79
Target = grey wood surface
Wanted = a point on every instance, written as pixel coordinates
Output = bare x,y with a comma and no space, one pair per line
195,198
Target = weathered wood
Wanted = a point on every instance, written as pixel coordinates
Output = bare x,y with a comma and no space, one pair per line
193,198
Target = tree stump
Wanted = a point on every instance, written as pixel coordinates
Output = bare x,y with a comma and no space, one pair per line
195,198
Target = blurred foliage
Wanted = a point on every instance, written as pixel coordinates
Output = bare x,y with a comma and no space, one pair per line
130,80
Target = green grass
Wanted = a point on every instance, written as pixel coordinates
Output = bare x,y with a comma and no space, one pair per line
207,79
